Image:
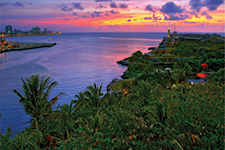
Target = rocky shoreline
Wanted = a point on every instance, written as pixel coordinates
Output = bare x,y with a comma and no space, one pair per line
109,86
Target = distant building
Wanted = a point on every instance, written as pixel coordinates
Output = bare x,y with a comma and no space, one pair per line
45,31
8,29
15,30
36,30
168,32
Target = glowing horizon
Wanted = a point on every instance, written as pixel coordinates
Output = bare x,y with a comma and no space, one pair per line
114,15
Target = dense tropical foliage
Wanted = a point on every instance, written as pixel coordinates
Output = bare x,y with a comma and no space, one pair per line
153,109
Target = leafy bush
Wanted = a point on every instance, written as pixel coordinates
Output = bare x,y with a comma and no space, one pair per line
215,64
217,77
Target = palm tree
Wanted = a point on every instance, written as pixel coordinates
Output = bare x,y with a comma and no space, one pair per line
142,92
81,101
25,140
35,100
93,94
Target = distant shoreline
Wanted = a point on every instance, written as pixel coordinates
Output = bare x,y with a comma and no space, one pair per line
28,34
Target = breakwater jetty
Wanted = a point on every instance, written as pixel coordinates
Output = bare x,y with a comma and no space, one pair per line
25,46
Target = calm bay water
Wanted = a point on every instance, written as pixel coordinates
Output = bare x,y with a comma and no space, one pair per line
77,61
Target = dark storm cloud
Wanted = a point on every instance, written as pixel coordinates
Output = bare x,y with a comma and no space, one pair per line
210,4
103,0
123,6
75,14
77,6
149,8
173,17
170,8
16,4
113,5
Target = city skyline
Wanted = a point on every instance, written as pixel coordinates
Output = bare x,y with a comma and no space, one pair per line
115,15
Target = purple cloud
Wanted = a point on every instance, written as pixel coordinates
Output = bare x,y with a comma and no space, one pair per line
114,12
149,8
5,11
77,6
210,4
65,8
148,18
107,15
113,5
75,14
206,15
5,4
17,4
30,4
170,8
190,22
96,14
128,20
213,4
179,17
123,6
196,5
194,13
103,0
156,17
100,7
65,19
85,16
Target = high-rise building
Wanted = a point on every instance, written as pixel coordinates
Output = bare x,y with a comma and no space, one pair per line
36,30
8,29
168,32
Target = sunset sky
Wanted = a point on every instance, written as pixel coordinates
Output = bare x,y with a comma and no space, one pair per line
114,15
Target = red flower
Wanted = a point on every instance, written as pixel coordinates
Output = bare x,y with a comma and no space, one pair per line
204,65
202,75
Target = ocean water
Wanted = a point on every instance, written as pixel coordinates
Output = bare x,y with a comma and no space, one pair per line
77,61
